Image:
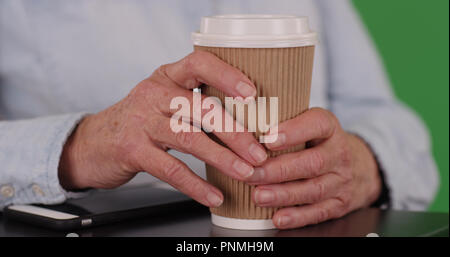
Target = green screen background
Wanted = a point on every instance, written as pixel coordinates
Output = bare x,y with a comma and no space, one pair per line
412,38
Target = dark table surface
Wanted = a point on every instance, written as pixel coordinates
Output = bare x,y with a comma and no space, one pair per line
386,223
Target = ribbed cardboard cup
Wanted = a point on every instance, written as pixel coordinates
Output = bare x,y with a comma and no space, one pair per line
280,69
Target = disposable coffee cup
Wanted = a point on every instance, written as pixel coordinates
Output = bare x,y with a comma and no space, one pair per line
276,52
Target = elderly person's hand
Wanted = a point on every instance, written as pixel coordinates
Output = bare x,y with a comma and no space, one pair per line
108,149
336,175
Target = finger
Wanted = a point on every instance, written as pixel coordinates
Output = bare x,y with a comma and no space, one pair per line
240,141
297,192
202,147
309,163
171,170
313,124
295,217
245,145
201,67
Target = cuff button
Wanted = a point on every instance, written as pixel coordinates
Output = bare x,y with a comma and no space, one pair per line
37,190
7,191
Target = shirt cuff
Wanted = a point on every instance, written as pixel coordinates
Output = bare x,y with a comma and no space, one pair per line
30,152
57,193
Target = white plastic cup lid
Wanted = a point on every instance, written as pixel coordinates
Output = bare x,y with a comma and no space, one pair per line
254,31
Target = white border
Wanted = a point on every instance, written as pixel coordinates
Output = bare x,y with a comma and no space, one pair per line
42,212
242,224
265,41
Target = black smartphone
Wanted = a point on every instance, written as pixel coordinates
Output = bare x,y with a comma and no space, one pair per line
104,207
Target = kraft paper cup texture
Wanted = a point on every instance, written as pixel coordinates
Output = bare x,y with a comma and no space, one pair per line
282,72
276,52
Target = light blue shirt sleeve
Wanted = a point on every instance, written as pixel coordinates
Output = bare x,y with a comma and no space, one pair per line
29,155
360,96
358,92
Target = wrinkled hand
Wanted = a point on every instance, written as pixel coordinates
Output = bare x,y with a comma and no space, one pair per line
108,149
333,177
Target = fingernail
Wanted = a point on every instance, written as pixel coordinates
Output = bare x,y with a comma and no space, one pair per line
243,168
257,153
245,89
264,196
284,221
258,175
213,199
279,141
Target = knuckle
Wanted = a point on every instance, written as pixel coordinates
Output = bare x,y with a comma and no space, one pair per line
190,61
300,220
344,203
126,143
186,140
323,125
157,129
147,90
189,64
324,114
325,121
346,176
319,189
195,188
292,198
161,71
345,155
173,171
283,172
323,214
316,162
221,157
195,59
